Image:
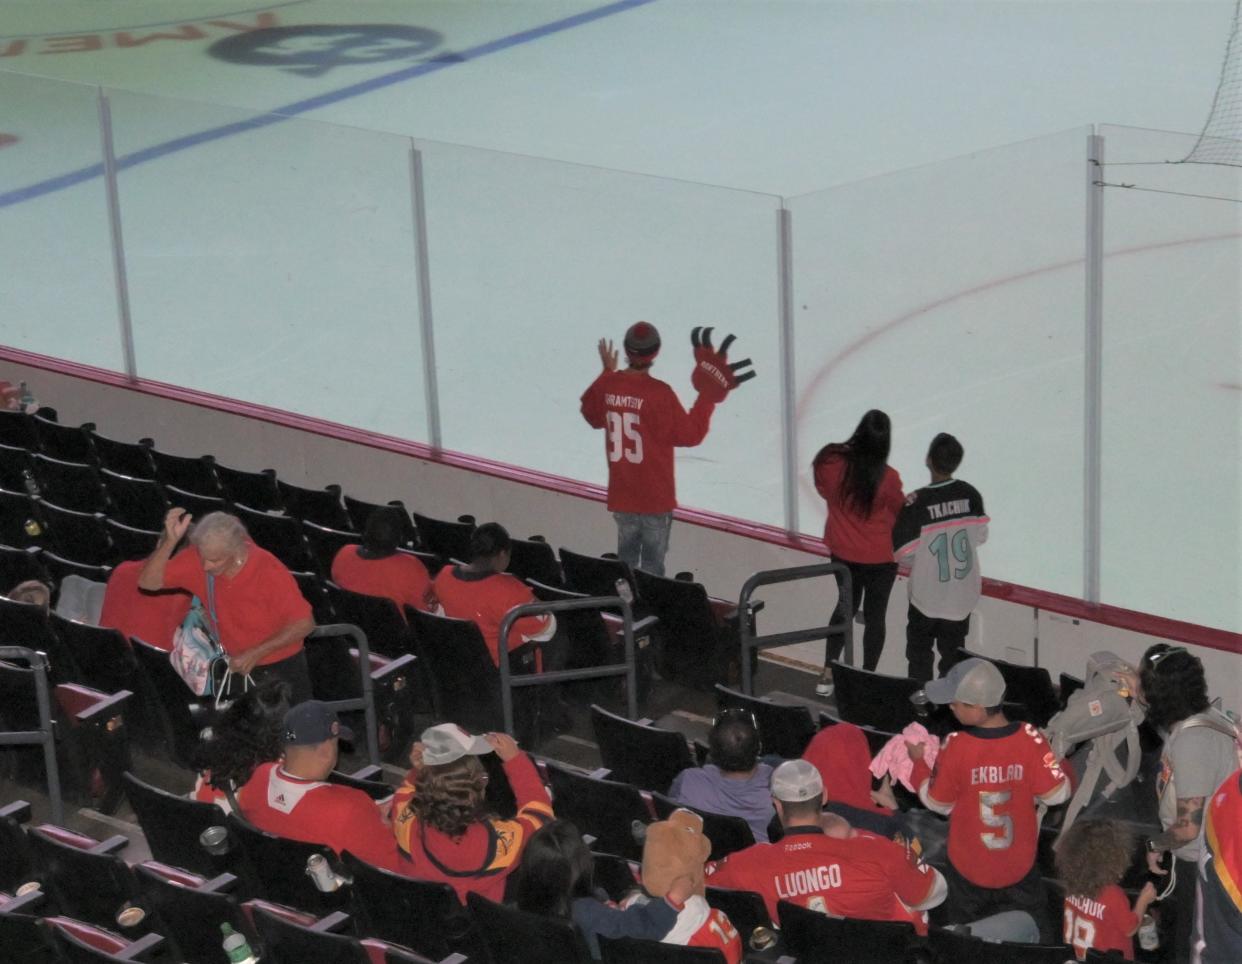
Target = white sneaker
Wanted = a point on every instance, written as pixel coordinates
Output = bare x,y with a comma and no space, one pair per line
824,686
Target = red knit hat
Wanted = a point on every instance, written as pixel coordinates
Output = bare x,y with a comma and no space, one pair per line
642,342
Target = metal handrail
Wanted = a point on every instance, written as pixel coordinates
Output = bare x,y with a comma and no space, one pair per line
44,735
366,702
508,681
768,577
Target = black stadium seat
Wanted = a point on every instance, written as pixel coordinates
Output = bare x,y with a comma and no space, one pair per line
320,506
605,809
874,699
515,937
172,823
190,474
784,729
448,540
124,458
255,489
360,511
815,938
136,501
633,950
74,485
639,753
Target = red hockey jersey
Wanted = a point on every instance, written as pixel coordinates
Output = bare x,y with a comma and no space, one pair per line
1105,922
644,421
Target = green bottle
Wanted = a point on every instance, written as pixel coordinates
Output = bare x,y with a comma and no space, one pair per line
236,947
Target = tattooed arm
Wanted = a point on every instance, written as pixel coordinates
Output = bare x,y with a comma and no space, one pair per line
1182,831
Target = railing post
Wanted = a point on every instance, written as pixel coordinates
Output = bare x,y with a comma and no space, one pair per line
118,241
45,735
422,262
1093,365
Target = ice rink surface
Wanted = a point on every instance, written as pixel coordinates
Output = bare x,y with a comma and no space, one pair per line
589,164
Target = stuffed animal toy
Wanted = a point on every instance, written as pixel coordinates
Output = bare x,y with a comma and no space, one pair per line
675,848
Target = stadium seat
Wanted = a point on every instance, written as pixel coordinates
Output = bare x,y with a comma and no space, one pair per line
172,823
107,663
77,944
465,683
745,909
615,876
84,878
325,543
604,809
515,937
16,860
595,575
181,714
21,520
65,442
77,535
27,624
138,502
58,568
276,868
190,474
639,753
377,616
281,535
697,646
18,565
17,430
14,464
951,946
72,485
728,833
533,560
129,542
320,506
1029,686
423,915
311,585
448,540
874,699
189,913
255,489
784,729
360,511
815,938
633,950
194,503
124,458
595,639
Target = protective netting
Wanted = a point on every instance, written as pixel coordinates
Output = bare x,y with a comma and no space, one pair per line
1221,139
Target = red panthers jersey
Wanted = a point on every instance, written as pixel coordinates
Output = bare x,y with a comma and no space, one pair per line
991,777
1105,922
700,925
643,421
862,876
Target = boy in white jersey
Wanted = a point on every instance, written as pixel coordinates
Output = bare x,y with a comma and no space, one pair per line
936,535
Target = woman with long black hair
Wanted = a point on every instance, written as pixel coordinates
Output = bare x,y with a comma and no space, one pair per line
864,496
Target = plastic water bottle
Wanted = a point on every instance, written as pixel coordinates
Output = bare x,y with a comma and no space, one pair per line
236,947
26,398
1148,937
624,591
31,484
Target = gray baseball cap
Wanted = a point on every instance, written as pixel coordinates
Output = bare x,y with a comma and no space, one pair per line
974,681
448,742
314,722
795,781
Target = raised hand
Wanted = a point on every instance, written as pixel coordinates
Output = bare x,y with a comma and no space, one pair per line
607,355
714,376
176,524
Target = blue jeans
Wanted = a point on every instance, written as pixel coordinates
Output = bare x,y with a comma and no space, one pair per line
642,539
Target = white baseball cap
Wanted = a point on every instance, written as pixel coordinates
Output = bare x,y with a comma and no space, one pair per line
797,780
448,742
974,681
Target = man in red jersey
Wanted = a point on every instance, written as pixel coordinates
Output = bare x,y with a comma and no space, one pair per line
290,798
824,864
645,421
989,780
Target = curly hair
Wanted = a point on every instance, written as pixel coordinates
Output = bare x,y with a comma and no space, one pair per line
1174,687
1092,855
450,797
248,733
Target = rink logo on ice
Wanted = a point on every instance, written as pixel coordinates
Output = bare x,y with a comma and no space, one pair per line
133,39
312,50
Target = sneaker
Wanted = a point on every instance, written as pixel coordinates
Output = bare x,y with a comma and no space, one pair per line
823,687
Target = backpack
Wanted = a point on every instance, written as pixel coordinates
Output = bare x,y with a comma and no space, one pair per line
1105,716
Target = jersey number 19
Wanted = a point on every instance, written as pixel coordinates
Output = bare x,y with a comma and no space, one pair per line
624,442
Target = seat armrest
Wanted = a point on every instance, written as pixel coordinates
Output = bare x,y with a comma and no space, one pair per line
333,923
112,845
142,949
17,811
645,625
219,885
27,903
602,773
373,773
395,666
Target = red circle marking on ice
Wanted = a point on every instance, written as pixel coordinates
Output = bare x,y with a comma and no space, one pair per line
7,139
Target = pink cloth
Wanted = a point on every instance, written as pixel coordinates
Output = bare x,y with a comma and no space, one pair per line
894,758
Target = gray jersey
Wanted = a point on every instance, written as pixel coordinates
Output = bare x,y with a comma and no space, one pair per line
936,534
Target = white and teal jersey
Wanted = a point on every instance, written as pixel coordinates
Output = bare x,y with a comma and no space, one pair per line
937,534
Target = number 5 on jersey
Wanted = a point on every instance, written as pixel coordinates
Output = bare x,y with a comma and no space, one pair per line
623,438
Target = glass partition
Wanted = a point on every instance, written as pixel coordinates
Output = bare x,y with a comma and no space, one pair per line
57,287
533,261
1172,454
951,296
272,260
